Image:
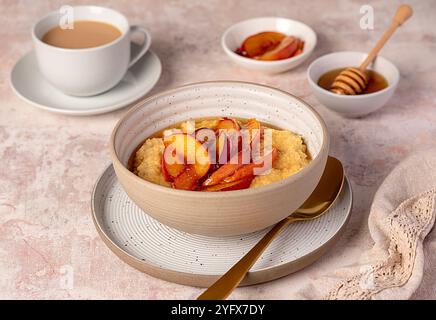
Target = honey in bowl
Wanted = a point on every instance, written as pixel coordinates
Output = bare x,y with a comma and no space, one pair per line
376,81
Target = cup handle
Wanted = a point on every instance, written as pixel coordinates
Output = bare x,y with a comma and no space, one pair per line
144,47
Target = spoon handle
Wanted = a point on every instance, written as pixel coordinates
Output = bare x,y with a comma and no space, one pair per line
403,13
222,288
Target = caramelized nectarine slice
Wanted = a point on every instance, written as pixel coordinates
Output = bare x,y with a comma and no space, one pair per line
225,171
235,185
229,139
169,132
205,136
284,50
187,180
247,170
300,48
238,185
253,124
164,171
260,43
186,147
172,164
222,148
228,124
254,128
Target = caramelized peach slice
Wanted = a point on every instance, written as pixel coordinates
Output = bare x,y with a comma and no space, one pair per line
222,148
253,124
254,128
260,43
228,131
187,180
235,185
225,171
238,185
300,48
228,124
164,171
205,136
172,169
185,149
228,144
169,132
168,139
284,50
247,170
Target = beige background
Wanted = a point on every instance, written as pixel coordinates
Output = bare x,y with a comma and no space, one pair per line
49,163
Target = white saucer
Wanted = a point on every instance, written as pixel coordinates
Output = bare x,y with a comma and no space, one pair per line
196,260
28,83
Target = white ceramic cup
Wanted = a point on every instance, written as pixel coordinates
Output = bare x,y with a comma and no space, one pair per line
89,71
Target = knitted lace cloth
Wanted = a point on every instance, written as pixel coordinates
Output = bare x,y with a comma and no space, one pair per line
402,214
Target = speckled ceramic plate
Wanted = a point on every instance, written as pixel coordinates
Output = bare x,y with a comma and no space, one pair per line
196,260
28,83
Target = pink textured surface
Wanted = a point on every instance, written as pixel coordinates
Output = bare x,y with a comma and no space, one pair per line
49,162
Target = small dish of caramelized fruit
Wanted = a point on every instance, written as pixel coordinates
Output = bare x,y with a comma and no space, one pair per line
270,45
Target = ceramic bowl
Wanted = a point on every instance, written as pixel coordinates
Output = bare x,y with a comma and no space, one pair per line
358,105
228,212
237,33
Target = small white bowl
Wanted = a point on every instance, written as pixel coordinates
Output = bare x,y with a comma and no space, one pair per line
352,106
234,36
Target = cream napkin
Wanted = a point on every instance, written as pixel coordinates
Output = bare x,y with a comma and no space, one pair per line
401,216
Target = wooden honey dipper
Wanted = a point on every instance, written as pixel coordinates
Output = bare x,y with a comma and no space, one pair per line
352,81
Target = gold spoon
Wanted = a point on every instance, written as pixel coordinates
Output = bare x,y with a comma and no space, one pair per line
352,80
321,199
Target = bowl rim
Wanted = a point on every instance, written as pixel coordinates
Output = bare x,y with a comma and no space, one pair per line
234,55
232,193
390,86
